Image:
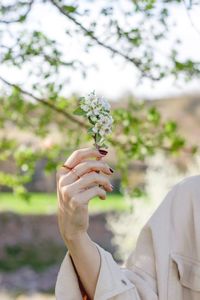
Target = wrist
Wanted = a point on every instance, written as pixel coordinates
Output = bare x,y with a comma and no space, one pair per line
76,238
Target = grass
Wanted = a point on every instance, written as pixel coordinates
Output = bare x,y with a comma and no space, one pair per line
42,203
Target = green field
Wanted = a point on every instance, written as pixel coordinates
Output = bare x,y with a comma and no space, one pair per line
41,203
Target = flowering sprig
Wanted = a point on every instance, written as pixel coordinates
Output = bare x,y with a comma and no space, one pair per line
97,111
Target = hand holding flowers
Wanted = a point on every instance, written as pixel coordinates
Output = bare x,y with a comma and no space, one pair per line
80,179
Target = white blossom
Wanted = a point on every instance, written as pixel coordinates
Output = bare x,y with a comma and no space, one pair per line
85,107
95,129
101,132
105,104
94,118
89,113
97,110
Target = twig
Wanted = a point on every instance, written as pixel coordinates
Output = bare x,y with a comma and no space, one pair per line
113,141
46,103
18,19
137,63
89,33
190,18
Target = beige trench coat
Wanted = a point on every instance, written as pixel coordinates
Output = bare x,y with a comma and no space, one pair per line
165,264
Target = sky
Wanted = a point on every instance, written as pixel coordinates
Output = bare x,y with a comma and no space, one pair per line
114,77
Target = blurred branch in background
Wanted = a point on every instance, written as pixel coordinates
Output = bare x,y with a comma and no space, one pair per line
38,105
187,8
139,132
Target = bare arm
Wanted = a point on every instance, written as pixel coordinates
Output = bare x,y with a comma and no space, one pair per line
74,193
86,259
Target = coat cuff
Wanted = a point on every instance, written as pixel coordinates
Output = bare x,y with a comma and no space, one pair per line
111,281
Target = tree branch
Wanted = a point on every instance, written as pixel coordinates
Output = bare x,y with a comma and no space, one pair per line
190,18
46,103
71,63
136,62
7,22
113,141
88,32
48,58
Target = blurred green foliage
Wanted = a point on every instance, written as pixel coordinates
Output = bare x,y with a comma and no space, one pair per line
139,130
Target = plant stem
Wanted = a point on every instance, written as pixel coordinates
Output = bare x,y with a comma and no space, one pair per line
95,142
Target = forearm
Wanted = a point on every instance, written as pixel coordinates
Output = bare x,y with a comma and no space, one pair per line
86,259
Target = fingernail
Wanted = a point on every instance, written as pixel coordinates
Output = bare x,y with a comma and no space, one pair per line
103,152
111,170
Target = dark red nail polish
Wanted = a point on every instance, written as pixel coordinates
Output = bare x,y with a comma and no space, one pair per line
111,170
103,152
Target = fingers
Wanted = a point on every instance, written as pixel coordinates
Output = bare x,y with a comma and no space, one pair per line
63,171
93,165
78,155
87,181
84,197
83,168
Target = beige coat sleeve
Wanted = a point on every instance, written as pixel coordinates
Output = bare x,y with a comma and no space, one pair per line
114,282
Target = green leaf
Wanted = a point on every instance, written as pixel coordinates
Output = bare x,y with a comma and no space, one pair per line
153,115
103,145
170,127
78,111
22,18
70,8
195,149
177,143
22,192
90,132
93,123
137,192
98,137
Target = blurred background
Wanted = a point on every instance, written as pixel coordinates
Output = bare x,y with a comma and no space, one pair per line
144,57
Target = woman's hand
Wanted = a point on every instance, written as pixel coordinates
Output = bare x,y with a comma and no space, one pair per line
74,193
